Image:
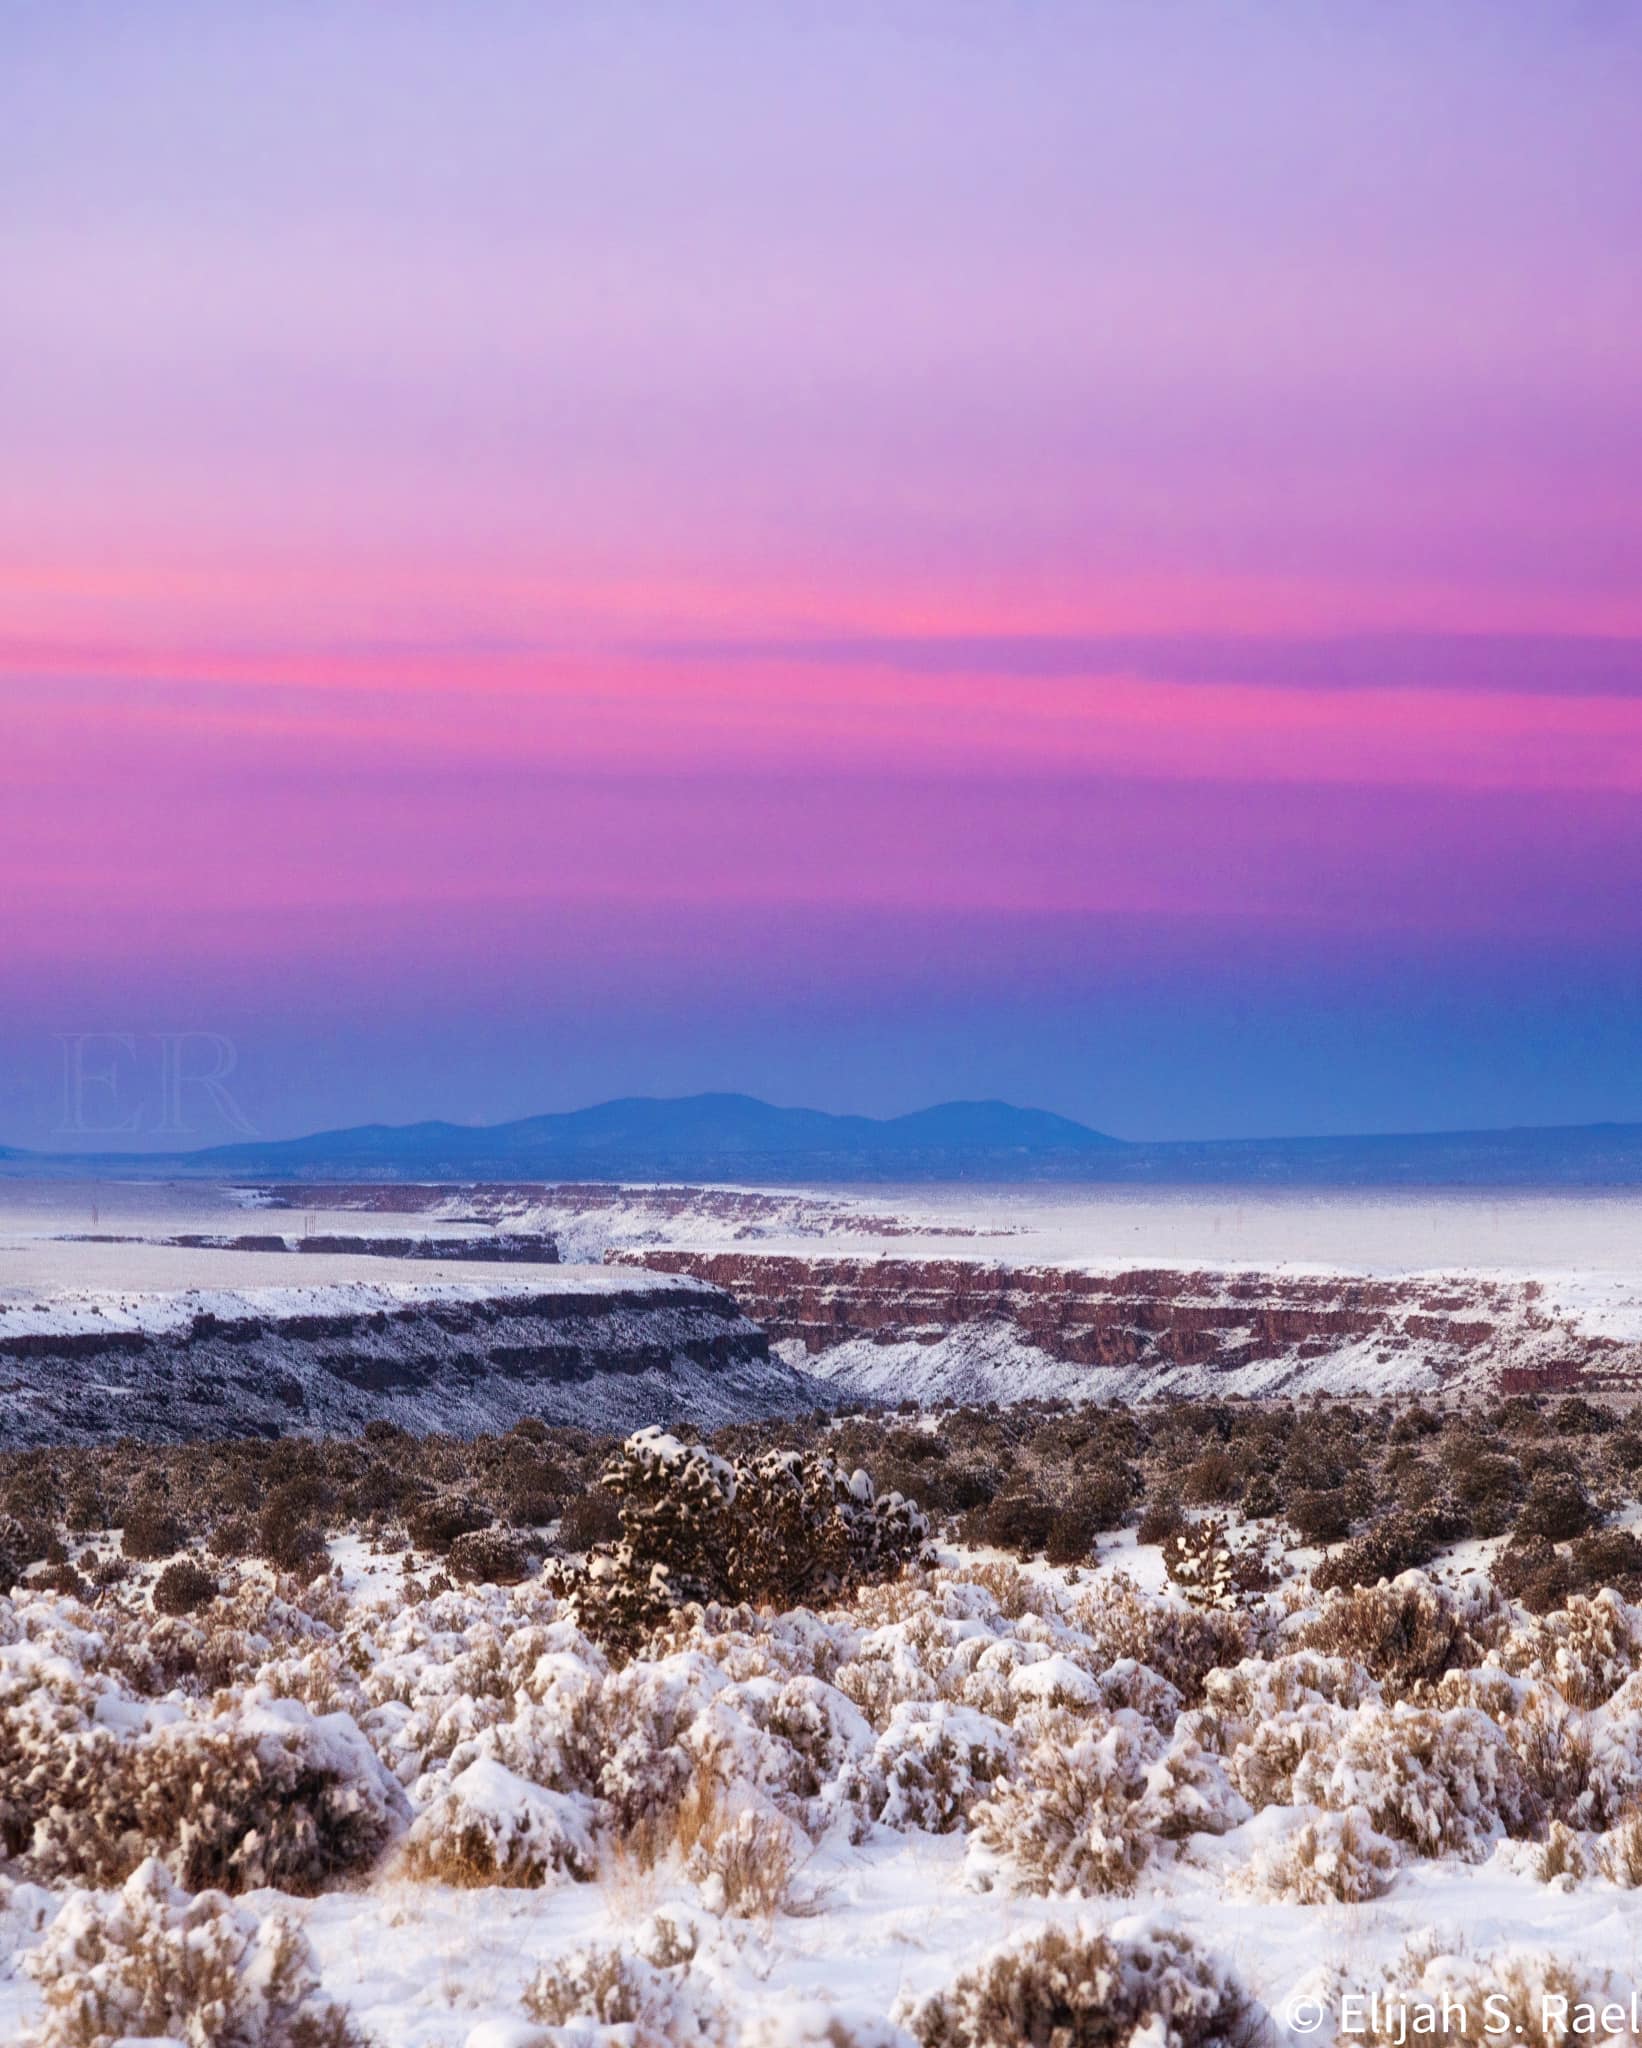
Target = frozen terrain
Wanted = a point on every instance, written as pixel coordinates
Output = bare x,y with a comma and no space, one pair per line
130,1334
938,1295
1003,1293
801,1828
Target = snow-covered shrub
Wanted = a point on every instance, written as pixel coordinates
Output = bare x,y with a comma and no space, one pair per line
1400,1541
1527,1996
152,1531
744,1861
782,1529
1088,1798
1015,1592
1080,1987
822,1732
1585,1767
661,2006
1189,1790
1586,1650
151,1962
1557,1508
264,1794
491,1827
289,1533
1325,1856
1208,1569
1181,1644
1440,1781
20,1545
1266,1756
1136,1686
488,1557
1557,1746
930,1766
437,1522
1407,1633
1067,1818
1619,1854
1242,1698
1564,1859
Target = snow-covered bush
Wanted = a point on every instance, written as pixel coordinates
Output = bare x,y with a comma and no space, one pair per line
1527,1995
488,1557
1210,1570
265,1793
1181,1644
1189,1790
1090,1797
1080,1987
1565,1858
1586,1650
1406,1633
1067,1818
1619,1854
781,1530
930,1766
744,1861
183,1588
1324,1856
660,2006
822,1732
1443,1782
491,1827
149,1962
1263,1763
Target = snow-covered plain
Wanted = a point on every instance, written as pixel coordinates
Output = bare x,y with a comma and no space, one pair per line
1554,1278
941,1768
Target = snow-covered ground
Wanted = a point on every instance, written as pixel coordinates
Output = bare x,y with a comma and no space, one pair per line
47,1287
929,1774
1555,1279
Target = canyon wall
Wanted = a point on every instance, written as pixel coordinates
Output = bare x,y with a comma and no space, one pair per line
949,1328
328,1360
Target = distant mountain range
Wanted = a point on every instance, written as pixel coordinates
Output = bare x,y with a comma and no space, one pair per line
738,1138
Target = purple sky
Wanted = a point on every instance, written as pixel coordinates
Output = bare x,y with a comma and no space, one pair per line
1091,554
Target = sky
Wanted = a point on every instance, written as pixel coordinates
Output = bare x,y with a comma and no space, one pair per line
862,553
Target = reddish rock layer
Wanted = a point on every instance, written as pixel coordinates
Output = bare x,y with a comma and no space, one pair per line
1145,1317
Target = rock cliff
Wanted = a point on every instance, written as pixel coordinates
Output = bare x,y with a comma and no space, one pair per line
595,1350
947,1328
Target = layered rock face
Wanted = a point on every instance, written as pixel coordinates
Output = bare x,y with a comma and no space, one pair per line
497,1248
958,1328
328,1360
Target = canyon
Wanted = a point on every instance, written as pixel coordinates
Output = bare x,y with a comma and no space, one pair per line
171,1312
942,1329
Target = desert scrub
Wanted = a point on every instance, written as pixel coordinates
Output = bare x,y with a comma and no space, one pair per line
782,1530
1407,1634
1210,1570
659,2003
183,1588
488,1557
1441,1782
150,1962
151,1531
1083,1988
264,1793
1067,1819
1328,1856
492,1827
